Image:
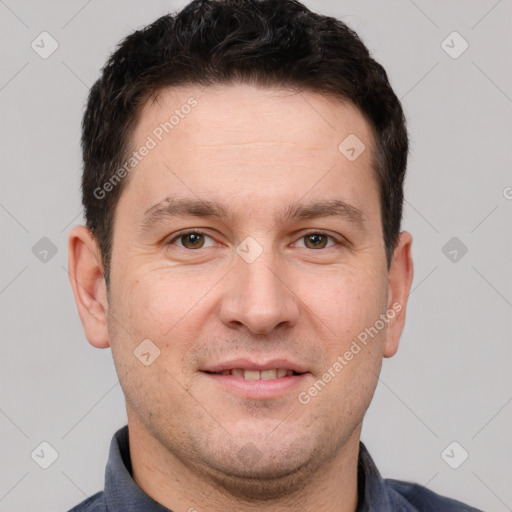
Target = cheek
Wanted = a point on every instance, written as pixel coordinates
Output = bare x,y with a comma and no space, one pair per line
149,308
355,306
170,308
156,301
347,300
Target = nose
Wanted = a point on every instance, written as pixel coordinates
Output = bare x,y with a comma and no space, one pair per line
259,296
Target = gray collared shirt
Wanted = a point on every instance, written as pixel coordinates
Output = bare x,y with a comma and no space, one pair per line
122,494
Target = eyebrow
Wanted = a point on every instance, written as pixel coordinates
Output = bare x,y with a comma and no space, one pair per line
172,207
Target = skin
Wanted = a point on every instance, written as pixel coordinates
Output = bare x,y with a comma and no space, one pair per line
255,151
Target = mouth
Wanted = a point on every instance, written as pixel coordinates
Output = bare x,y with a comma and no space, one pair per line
258,381
248,374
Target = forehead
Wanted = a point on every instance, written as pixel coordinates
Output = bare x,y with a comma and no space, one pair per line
249,114
250,144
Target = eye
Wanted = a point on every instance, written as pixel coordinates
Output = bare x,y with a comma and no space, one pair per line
191,240
195,239
317,240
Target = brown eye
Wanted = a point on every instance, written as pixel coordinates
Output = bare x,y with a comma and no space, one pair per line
315,241
191,240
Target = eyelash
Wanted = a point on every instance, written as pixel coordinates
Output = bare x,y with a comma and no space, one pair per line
199,232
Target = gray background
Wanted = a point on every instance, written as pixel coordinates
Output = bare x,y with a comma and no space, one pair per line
451,379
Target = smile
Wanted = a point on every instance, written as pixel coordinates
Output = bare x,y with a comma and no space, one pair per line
241,373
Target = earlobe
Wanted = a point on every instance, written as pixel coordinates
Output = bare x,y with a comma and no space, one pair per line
87,281
400,280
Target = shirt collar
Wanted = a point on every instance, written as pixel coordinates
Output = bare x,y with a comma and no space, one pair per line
373,495
122,494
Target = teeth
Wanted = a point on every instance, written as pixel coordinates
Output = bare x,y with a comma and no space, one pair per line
268,374
274,373
251,375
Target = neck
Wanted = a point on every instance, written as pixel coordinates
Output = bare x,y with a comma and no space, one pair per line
186,486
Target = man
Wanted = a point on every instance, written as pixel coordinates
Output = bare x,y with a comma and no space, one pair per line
243,187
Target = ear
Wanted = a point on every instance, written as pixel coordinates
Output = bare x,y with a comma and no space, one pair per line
400,280
88,283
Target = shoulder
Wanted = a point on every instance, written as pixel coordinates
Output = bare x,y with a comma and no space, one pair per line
94,503
423,499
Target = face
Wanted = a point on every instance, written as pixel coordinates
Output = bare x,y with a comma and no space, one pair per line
246,241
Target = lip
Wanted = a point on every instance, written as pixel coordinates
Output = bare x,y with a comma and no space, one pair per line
247,364
258,389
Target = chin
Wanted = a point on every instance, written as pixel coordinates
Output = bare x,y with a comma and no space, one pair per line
263,480
260,471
